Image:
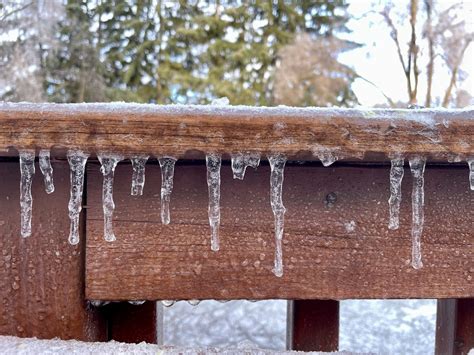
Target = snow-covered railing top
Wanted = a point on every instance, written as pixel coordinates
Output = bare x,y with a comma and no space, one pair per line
183,130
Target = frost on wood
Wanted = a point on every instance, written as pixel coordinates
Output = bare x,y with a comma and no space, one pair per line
277,165
138,175
471,172
27,171
46,170
417,166
108,162
77,162
241,161
167,173
396,177
213,164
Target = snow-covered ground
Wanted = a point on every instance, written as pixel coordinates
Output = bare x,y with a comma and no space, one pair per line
383,327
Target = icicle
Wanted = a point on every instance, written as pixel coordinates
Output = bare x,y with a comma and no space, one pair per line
136,303
327,158
471,172
46,170
108,162
167,172
241,161
194,302
213,163
277,164
396,177
138,175
77,162
27,171
168,303
417,166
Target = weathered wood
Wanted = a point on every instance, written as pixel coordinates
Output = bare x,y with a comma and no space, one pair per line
42,277
182,130
313,325
331,250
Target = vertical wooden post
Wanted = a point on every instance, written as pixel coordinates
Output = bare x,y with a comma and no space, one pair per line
313,325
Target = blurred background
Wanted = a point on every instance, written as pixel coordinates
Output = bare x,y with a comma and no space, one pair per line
259,53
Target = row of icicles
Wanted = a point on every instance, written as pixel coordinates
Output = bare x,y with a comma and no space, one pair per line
77,161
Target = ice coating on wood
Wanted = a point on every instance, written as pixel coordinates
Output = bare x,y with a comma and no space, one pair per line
138,174
277,165
27,171
241,161
396,177
108,161
46,170
77,162
417,167
213,164
168,303
471,173
167,173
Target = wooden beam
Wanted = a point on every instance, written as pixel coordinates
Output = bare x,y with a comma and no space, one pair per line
336,243
182,130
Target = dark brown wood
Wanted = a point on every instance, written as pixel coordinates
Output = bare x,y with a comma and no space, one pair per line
334,249
464,325
180,130
42,277
313,325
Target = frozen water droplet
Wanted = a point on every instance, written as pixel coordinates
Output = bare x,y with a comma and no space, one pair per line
213,164
168,303
109,162
138,174
97,303
77,162
241,161
471,172
27,170
277,165
327,158
46,170
222,101
167,173
417,167
136,303
194,302
396,177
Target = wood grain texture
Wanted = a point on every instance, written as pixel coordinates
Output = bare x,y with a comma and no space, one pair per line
185,130
42,277
331,250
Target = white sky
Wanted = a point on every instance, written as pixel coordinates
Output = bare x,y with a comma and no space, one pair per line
378,62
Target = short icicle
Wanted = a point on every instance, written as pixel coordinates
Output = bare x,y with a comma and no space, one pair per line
471,172
241,161
108,162
27,171
277,165
138,174
417,167
77,163
396,177
46,170
213,164
167,173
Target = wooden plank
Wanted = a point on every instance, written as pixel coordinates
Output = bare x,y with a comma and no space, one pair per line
42,277
181,130
313,325
464,325
331,250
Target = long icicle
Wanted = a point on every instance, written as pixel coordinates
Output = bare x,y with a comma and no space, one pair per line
27,171
138,174
108,162
241,161
471,172
46,170
77,163
277,165
213,164
396,177
167,173
417,166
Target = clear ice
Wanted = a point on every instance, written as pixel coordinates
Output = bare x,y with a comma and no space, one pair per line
471,172
138,175
27,171
277,165
417,167
241,161
136,303
46,170
109,162
327,158
396,177
194,302
167,173
168,303
213,164
77,162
